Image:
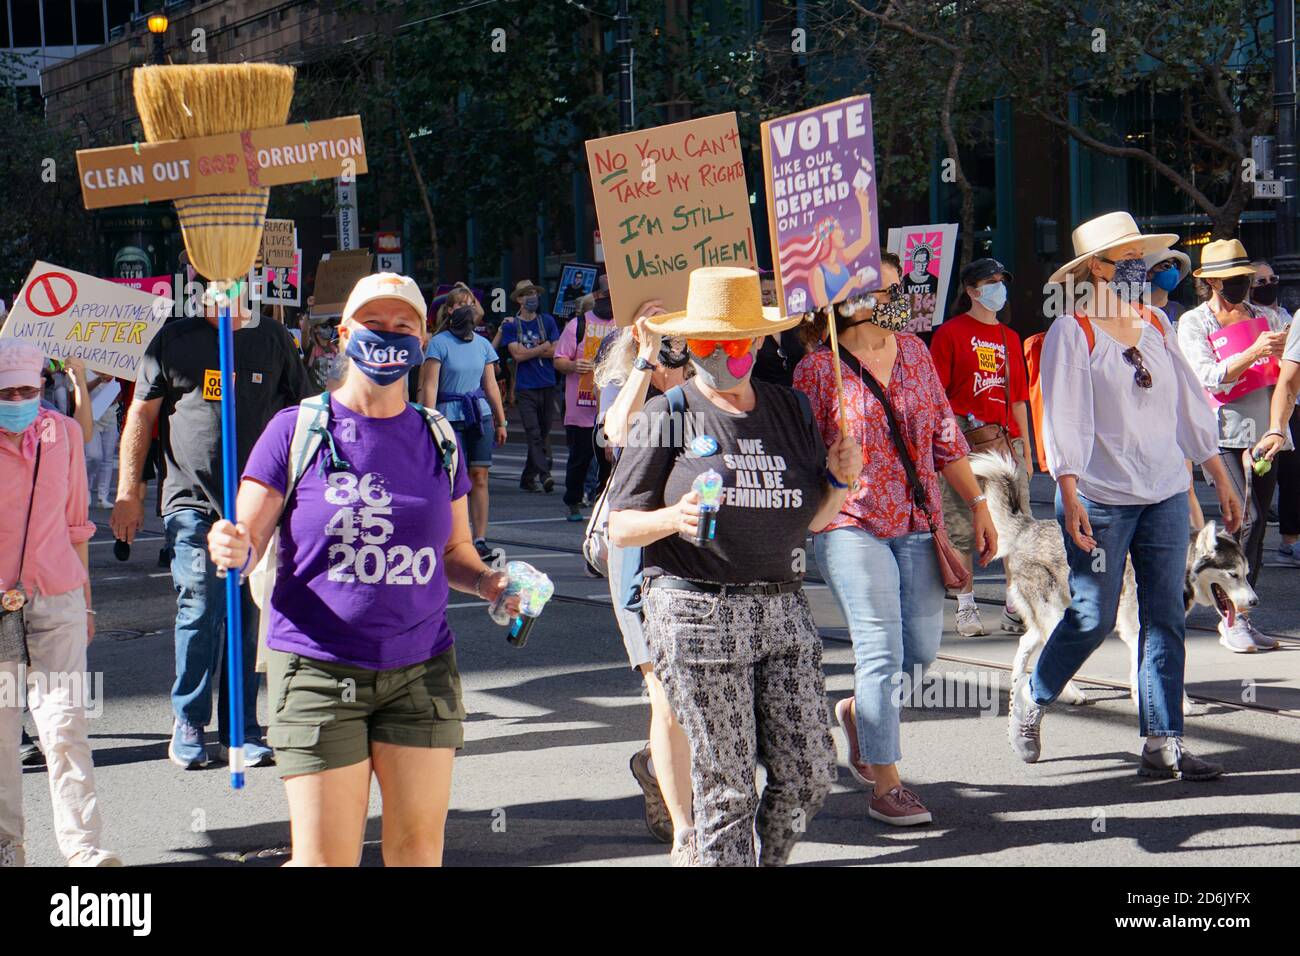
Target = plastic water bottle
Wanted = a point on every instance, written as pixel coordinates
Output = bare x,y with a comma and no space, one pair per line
534,589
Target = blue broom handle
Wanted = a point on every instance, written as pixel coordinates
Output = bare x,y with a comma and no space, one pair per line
230,488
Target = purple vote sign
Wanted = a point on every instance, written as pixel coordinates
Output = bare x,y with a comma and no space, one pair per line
821,204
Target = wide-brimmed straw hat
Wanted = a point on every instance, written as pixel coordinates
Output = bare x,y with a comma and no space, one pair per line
1224,259
526,287
723,302
1184,261
1110,231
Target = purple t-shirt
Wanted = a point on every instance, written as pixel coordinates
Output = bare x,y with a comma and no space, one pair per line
360,577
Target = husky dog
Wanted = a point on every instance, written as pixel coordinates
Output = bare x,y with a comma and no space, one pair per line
1033,551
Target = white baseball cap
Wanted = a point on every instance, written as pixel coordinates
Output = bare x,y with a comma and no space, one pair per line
385,285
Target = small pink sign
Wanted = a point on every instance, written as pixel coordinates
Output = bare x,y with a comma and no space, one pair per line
154,285
1233,340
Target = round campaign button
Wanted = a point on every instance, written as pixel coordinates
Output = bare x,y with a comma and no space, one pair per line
704,445
13,600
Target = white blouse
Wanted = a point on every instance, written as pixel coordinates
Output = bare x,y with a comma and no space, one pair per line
1126,445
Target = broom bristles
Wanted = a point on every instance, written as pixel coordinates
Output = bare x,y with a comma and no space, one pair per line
222,231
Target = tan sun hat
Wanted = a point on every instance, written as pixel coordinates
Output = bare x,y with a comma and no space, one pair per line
1110,231
723,302
1224,259
526,287
385,285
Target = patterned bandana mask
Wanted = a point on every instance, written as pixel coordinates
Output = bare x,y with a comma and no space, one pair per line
894,313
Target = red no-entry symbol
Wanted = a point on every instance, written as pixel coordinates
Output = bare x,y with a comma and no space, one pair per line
54,291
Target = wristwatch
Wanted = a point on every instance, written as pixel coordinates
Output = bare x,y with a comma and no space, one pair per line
641,365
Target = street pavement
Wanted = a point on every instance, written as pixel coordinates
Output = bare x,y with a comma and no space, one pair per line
543,779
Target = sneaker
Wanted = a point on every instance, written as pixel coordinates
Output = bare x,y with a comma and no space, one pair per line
95,858
187,749
30,753
1289,554
575,514
586,499
106,504
530,487
685,852
483,548
1173,762
256,753
1258,638
11,855
548,484
968,621
899,807
1024,722
859,768
657,819
1237,637
1012,622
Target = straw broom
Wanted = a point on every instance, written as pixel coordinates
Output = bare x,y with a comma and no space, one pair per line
222,233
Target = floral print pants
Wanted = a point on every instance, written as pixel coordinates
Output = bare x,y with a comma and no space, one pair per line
744,676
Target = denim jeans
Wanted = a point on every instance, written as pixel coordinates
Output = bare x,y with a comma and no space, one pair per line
1156,538
891,593
201,630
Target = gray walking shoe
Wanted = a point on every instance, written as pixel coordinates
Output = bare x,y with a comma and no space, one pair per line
1024,722
1174,762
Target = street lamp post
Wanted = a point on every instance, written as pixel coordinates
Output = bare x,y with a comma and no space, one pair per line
158,27
1285,260
623,40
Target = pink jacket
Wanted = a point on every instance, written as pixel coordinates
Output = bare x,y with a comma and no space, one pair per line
60,512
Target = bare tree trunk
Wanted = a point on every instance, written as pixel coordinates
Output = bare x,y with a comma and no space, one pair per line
1226,219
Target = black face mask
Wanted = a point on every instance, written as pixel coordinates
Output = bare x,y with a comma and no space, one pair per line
603,308
670,357
461,323
1235,289
1264,294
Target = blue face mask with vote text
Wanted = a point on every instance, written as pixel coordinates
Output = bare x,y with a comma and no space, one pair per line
383,357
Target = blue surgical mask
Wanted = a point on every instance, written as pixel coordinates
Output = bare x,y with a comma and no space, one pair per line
17,416
383,357
531,302
1166,279
993,296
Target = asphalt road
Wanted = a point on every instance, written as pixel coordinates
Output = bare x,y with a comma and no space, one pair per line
543,779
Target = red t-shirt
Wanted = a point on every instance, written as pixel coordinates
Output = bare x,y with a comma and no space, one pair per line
971,357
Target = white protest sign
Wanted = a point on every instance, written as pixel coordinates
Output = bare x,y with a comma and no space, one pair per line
69,314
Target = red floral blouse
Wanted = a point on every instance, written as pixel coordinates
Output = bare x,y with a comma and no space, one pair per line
882,502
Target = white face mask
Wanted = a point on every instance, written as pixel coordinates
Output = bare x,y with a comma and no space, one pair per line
992,296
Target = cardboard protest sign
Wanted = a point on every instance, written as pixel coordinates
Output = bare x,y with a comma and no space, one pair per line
279,239
927,254
69,314
283,286
337,273
821,204
669,200
576,280
272,156
1232,340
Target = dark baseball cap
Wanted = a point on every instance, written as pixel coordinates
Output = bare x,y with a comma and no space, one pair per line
981,269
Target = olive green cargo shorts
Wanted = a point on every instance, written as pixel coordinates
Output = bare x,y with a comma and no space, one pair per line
326,715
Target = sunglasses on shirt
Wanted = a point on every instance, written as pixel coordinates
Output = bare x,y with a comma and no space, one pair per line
1140,374
735,348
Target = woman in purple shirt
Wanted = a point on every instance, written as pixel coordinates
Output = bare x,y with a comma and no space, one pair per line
362,670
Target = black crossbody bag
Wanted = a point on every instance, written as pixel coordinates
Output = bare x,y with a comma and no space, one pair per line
13,626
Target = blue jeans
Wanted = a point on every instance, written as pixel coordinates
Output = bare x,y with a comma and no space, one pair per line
891,593
201,630
1156,538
